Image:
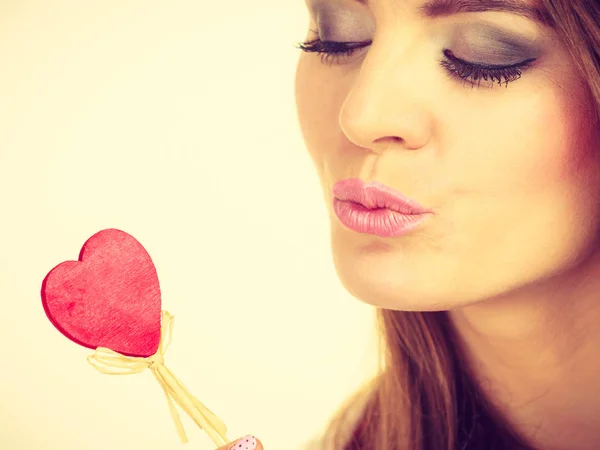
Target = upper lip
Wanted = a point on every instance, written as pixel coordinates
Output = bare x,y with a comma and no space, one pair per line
374,195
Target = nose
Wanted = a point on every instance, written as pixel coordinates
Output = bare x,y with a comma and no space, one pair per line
387,104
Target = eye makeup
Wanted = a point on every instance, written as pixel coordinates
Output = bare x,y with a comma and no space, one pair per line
342,21
341,25
472,50
488,44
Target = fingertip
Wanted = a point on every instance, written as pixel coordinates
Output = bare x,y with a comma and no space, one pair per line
248,442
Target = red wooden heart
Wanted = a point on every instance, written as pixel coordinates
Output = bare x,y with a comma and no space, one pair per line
109,298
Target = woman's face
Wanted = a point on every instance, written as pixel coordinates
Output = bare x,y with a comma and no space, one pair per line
510,171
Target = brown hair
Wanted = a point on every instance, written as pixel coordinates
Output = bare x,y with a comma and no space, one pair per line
424,397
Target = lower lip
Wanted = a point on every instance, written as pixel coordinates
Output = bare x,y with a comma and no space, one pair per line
381,222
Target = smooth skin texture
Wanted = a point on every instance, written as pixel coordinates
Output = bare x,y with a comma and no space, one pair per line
512,175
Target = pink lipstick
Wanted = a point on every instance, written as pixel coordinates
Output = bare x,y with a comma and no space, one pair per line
375,208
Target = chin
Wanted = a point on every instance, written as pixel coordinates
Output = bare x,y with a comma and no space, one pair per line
381,286
385,277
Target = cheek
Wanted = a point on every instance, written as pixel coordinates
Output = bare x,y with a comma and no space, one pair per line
532,176
533,144
320,93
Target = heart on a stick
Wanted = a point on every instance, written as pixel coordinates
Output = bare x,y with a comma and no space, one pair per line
109,298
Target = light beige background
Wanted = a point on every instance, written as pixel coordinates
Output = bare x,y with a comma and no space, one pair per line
173,121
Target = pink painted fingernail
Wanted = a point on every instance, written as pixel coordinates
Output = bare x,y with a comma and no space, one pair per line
245,443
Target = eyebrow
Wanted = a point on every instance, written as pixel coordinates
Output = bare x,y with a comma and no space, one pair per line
443,8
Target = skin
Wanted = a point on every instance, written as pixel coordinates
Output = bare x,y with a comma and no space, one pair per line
512,176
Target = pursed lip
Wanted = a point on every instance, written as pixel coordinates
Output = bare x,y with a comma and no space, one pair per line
375,195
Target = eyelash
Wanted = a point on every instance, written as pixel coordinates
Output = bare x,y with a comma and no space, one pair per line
331,52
